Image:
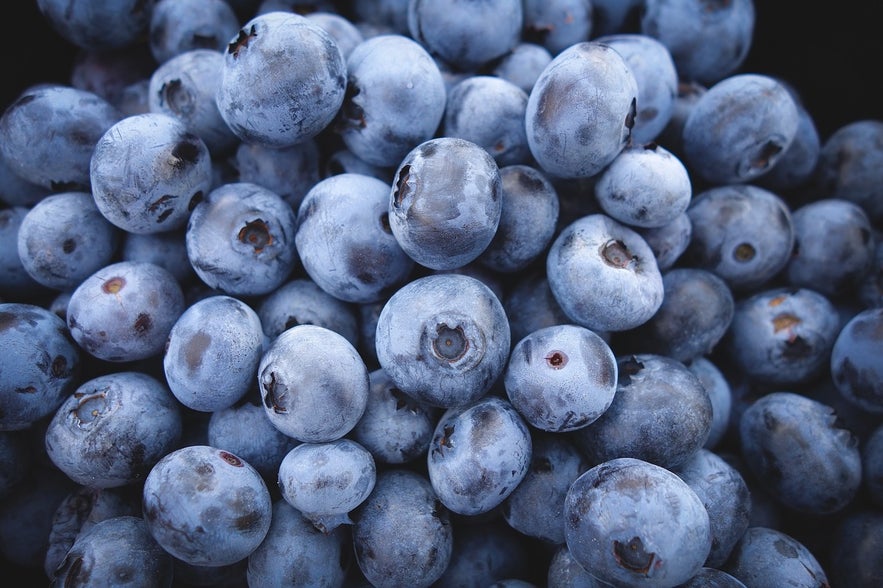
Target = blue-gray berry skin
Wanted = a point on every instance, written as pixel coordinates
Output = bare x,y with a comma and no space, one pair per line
395,427
726,497
99,25
741,232
478,455
345,242
672,136
782,336
486,552
64,238
712,578
445,202
296,553
797,165
287,171
872,466
395,99
167,249
770,558
240,239
615,16
148,172
645,186
15,191
565,572
326,481
343,160
115,552
343,30
184,87
463,34
179,26
443,339
528,220
283,80
536,506
855,361
578,138
530,305
206,506
40,365
660,413
870,287
557,24
113,429
300,301
15,455
654,69
850,164
313,384
523,65
69,121
603,274
633,523
854,556
489,111
561,378
402,534
720,394
212,353
797,449
739,129
707,41
832,266
125,311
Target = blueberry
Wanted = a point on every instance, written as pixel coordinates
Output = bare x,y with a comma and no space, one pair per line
300,301
395,99
345,241
443,339
295,550
15,281
15,455
872,465
712,578
287,171
530,306
167,250
557,24
116,551
148,171
98,24
797,165
283,80
776,433
578,138
70,121
15,191
628,521
212,353
125,311
64,238
485,552
240,239
445,202
715,383
113,429
855,361
179,26
615,16
206,506
660,413
313,384
561,378
853,559
40,365
564,571
770,558
344,32
604,275
325,481
523,65
401,534
739,129
345,161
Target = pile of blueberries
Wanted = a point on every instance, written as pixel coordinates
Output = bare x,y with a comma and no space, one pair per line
374,293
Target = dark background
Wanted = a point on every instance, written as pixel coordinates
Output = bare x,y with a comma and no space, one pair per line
830,55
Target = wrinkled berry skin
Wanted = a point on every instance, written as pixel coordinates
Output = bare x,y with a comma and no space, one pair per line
39,366
855,361
125,311
283,80
240,239
395,99
478,455
402,534
212,353
445,202
443,339
739,129
313,383
795,447
577,138
116,551
636,524
148,171
770,558
345,242
561,378
604,275
69,122
206,506
113,429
